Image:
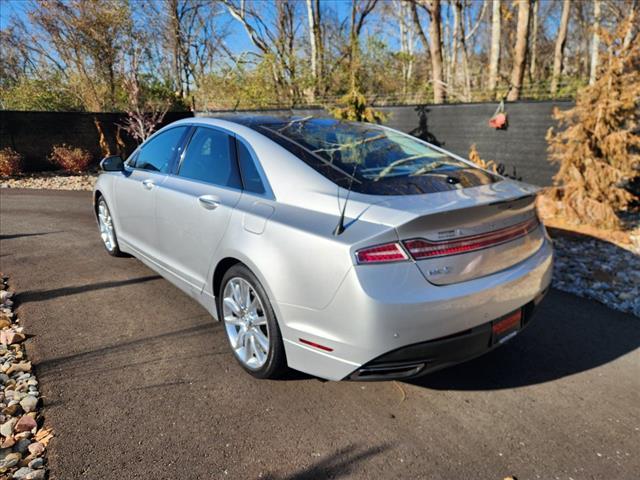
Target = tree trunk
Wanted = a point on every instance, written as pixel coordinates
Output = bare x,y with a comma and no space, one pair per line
176,45
452,59
418,28
520,53
534,41
494,56
312,41
313,14
439,94
354,48
463,47
318,34
399,10
561,39
595,43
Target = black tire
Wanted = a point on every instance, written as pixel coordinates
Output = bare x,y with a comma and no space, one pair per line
275,365
114,251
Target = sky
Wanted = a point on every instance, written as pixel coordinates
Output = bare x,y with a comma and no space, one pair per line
238,41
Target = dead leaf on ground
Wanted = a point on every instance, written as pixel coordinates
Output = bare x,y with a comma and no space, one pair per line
44,435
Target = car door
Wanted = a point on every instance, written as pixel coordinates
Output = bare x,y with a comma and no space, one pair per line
195,204
136,189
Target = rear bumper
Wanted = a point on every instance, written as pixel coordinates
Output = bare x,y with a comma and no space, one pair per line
381,309
426,357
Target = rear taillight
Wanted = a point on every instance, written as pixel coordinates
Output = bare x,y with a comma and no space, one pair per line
420,248
389,252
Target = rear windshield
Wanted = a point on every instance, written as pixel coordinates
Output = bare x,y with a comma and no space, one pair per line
373,159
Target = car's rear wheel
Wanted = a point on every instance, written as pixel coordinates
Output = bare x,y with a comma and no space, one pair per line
250,324
107,229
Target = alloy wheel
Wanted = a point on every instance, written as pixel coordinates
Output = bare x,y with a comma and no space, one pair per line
106,226
245,322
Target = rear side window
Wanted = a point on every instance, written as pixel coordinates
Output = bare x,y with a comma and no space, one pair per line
250,176
158,153
210,158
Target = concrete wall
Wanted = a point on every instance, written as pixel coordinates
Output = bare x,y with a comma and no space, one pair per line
521,146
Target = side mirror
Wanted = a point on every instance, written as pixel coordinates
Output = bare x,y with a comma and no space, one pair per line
112,163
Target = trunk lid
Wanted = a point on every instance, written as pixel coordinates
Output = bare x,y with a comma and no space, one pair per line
468,233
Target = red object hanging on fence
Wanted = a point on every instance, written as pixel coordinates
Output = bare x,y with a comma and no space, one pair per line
499,119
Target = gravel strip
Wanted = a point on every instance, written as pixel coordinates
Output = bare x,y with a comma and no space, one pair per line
24,440
51,180
598,270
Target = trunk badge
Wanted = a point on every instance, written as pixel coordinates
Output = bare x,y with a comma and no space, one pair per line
439,271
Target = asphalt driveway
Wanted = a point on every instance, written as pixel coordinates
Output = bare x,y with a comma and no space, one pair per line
139,383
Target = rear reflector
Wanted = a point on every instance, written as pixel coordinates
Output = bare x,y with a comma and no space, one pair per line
389,252
420,248
507,323
316,345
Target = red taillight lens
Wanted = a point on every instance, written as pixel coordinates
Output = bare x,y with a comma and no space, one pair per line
420,248
389,252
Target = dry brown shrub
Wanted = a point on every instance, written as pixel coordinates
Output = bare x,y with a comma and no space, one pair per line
10,162
474,156
598,148
70,159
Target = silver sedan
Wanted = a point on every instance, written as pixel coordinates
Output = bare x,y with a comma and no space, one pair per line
343,250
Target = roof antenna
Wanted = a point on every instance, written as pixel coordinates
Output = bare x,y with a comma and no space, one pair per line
340,227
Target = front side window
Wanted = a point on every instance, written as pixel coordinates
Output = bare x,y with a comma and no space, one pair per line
157,154
210,158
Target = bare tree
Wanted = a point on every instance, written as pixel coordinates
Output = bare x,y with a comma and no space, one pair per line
191,38
494,55
359,12
276,42
317,45
595,42
16,61
520,53
82,40
418,28
463,37
534,40
561,39
401,13
143,116
432,7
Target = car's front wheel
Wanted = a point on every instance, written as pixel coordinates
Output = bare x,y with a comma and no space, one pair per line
107,229
250,324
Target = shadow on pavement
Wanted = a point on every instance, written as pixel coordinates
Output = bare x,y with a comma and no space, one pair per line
124,346
340,464
41,295
568,335
20,235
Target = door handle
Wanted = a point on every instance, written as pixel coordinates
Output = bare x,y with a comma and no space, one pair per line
148,184
209,202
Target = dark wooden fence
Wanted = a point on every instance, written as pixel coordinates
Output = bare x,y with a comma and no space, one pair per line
521,147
